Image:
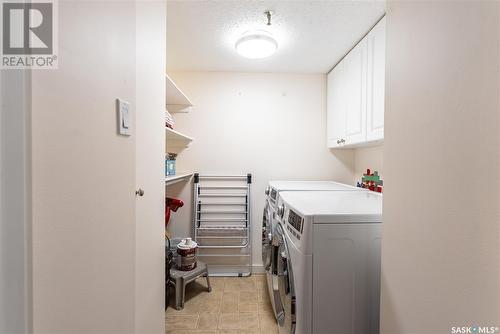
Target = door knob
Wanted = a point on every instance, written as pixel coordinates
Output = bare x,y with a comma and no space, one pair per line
139,192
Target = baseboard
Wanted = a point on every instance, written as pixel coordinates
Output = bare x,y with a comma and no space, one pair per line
257,269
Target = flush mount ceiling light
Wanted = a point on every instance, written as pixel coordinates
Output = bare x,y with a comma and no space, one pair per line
257,44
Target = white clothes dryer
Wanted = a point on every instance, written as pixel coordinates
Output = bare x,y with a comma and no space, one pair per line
269,223
329,262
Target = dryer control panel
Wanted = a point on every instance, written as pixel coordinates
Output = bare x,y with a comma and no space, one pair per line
295,221
295,226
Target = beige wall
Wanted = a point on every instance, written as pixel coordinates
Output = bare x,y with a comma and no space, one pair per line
84,176
441,242
271,125
15,201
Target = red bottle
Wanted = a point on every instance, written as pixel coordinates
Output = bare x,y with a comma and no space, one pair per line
171,204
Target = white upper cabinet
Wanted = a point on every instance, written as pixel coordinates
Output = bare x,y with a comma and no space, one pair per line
376,83
336,117
355,93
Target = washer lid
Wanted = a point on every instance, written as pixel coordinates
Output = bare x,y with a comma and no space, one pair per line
310,185
336,206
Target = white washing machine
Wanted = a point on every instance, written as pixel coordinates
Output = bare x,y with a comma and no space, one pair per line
269,226
329,262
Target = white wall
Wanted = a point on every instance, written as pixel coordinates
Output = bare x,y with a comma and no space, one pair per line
441,237
271,125
84,175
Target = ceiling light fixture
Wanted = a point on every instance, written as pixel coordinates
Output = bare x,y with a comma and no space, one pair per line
257,44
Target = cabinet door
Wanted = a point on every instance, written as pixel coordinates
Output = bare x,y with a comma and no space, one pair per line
355,94
376,82
335,106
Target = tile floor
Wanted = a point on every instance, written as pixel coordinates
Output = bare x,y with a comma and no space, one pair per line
236,305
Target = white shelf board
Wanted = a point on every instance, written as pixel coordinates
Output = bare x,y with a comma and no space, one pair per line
177,101
176,141
169,180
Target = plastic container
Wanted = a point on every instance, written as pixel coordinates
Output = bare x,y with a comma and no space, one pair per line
186,254
169,167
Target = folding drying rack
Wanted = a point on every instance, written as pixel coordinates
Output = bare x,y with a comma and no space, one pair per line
222,223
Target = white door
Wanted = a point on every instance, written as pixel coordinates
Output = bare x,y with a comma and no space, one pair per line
150,170
355,94
376,83
336,120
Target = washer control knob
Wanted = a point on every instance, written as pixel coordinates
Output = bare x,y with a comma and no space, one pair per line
267,190
281,210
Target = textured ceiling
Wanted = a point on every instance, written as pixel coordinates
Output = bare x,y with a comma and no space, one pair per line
312,35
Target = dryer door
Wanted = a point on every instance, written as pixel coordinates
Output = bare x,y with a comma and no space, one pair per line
266,237
286,321
269,259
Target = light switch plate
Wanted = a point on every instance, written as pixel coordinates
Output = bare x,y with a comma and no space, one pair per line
124,117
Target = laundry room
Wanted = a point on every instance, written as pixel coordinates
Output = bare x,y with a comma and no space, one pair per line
275,140
259,83
235,167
